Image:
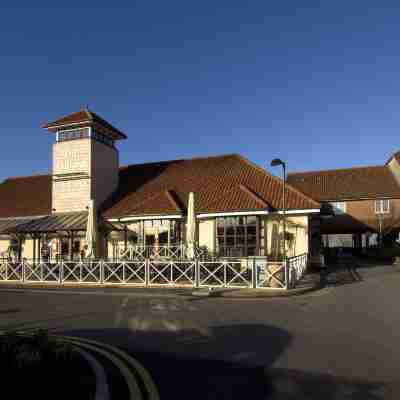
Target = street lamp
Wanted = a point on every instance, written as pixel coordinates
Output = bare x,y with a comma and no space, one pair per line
275,163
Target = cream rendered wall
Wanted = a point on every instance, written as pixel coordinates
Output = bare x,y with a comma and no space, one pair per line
207,233
83,169
297,226
272,236
71,193
395,168
4,243
104,171
27,249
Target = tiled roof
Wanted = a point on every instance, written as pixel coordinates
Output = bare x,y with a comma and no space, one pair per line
25,196
222,183
81,117
347,184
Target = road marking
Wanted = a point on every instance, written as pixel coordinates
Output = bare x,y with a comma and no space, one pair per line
119,315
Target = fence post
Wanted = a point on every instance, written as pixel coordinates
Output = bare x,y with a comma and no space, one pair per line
254,274
61,273
146,272
23,271
196,273
101,271
225,273
286,267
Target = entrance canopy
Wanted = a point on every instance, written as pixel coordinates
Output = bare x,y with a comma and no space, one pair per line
76,221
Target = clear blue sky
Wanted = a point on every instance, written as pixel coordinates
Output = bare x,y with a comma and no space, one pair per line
316,83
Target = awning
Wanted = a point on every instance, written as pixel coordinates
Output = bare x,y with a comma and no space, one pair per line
73,221
7,224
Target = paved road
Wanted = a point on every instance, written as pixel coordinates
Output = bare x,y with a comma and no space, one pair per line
340,342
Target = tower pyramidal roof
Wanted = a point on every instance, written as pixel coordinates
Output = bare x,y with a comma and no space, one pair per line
85,118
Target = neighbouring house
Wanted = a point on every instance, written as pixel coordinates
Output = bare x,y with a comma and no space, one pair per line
365,202
144,206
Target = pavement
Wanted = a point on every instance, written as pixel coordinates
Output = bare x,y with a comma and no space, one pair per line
337,342
309,283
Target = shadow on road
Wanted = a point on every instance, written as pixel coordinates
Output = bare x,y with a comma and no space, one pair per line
227,362
10,311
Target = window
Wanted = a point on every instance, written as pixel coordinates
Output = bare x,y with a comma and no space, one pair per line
339,207
73,134
163,232
382,206
238,236
83,133
102,138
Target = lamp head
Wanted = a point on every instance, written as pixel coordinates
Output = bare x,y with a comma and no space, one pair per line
276,161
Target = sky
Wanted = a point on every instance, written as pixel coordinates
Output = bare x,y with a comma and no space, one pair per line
315,83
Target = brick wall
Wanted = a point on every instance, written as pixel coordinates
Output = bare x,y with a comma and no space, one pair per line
360,216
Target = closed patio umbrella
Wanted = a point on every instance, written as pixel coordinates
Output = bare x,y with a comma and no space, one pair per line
91,231
191,228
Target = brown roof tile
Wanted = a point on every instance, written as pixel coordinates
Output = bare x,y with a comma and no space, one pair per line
25,196
347,184
222,183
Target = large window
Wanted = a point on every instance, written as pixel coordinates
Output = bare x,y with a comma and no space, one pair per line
238,236
162,232
382,206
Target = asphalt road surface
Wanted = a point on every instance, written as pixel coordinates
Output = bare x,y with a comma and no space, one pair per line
342,342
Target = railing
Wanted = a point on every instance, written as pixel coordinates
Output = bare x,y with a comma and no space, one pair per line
297,266
255,272
139,252
178,251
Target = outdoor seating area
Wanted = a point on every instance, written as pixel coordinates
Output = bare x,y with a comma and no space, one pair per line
255,272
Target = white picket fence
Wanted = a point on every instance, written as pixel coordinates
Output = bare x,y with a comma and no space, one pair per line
255,272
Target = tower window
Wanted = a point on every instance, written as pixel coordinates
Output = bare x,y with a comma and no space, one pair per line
81,133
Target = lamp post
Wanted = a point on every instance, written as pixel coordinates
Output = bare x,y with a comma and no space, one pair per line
274,163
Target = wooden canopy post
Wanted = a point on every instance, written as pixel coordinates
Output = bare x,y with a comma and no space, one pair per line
71,244
20,240
40,248
125,238
34,248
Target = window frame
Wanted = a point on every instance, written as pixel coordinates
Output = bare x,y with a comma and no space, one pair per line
84,133
379,206
241,243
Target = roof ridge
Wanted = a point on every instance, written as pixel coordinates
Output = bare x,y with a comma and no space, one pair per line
88,112
335,169
156,196
253,195
180,159
170,197
288,185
